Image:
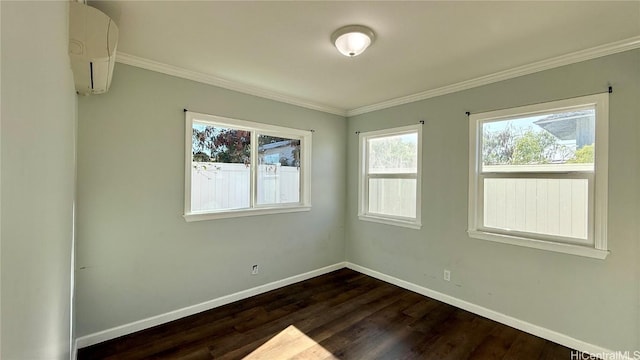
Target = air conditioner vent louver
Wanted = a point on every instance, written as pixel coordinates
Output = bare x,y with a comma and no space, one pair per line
91,70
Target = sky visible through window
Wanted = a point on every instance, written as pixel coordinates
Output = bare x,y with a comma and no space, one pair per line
494,126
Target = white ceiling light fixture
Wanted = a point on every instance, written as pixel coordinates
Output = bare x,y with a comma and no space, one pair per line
352,40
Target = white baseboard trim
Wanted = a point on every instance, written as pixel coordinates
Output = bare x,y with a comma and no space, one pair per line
533,329
494,315
126,329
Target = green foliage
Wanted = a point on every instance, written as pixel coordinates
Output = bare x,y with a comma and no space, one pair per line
392,152
201,157
232,146
221,145
511,147
498,146
210,144
533,148
585,154
202,140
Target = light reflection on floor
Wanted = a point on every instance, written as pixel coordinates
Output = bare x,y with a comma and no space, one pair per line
290,343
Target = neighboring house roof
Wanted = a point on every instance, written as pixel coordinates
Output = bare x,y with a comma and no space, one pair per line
276,145
564,125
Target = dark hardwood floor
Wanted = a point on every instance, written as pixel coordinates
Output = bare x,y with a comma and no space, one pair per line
341,315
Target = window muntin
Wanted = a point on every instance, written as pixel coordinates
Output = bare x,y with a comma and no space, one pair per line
229,173
390,176
533,174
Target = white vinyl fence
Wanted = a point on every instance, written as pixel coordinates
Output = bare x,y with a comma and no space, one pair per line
217,186
395,197
546,206
557,207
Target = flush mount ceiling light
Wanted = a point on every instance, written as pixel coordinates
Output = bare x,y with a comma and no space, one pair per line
352,40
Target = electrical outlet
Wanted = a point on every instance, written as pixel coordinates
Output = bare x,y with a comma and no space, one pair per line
447,275
254,270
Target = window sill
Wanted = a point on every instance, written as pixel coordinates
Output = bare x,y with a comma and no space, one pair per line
190,217
388,221
541,244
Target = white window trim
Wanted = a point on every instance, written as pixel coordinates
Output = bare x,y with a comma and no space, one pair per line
264,129
598,204
363,183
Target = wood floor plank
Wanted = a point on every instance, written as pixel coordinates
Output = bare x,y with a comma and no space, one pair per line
338,316
496,344
526,346
226,342
379,332
341,315
554,351
353,340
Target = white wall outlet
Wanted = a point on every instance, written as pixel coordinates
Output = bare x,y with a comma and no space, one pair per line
447,275
254,270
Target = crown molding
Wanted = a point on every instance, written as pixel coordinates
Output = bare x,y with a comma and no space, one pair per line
176,71
562,60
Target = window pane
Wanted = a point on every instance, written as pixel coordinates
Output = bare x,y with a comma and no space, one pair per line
396,197
556,207
220,174
562,141
393,154
278,170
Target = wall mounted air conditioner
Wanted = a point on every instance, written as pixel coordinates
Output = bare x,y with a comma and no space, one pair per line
93,38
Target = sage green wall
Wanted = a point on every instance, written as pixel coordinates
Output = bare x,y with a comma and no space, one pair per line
136,256
38,172
591,300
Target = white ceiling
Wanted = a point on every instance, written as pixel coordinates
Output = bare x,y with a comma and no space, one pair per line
283,48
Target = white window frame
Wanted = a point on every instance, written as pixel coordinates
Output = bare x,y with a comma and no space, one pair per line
596,244
364,176
256,129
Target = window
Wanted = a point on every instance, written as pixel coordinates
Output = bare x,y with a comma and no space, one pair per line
390,176
241,168
538,176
